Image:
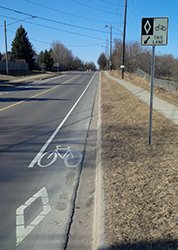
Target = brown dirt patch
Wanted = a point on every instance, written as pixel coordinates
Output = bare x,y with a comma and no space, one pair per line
140,181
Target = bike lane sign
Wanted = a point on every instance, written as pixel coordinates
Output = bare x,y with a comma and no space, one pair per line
154,31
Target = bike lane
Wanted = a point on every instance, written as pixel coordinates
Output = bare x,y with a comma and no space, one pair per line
64,179
43,217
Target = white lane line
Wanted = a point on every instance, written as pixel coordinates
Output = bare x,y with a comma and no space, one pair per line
59,127
21,230
2,93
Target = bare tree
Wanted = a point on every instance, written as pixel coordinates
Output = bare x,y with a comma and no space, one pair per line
165,66
117,54
135,56
77,64
133,52
138,57
61,55
102,61
90,66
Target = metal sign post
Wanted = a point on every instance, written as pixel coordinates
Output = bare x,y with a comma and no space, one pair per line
151,92
154,33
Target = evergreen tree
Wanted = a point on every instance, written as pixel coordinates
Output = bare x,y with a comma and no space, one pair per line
40,59
22,48
46,60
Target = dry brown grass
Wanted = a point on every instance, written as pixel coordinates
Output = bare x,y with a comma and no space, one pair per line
145,84
140,181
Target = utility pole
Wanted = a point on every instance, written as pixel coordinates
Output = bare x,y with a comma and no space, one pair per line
124,35
110,63
110,57
5,35
107,53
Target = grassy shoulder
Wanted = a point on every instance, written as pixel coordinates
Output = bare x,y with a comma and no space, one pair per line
145,84
140,181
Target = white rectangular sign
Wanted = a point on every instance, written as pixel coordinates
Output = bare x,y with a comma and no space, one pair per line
154,31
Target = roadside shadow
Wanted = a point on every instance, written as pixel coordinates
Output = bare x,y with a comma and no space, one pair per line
145,245
3,100
20,88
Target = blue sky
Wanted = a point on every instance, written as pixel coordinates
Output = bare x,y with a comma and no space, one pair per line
80,24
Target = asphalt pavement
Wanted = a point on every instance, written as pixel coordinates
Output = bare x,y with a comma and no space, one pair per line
43,132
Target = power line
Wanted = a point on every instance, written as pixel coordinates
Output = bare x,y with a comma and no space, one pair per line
51,20
53,28
64,12
33,39
87,45
113,4
17,11
79,45
120,31
93,8
12,18
71,32
22,20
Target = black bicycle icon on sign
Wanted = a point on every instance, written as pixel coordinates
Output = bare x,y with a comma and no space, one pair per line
160,27
71,158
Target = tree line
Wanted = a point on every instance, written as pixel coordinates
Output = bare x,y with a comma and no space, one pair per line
58,57
136,57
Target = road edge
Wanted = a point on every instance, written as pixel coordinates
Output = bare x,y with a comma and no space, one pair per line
98,226
80,235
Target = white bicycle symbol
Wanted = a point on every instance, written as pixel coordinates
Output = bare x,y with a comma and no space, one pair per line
71,158
160,27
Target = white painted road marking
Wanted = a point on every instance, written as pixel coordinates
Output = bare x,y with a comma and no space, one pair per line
59,127
71,158
21,230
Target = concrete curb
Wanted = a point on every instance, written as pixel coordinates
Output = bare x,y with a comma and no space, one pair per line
98,227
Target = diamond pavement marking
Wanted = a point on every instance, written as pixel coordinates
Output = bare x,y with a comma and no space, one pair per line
21,230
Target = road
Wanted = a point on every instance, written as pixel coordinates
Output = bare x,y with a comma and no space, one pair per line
37,190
